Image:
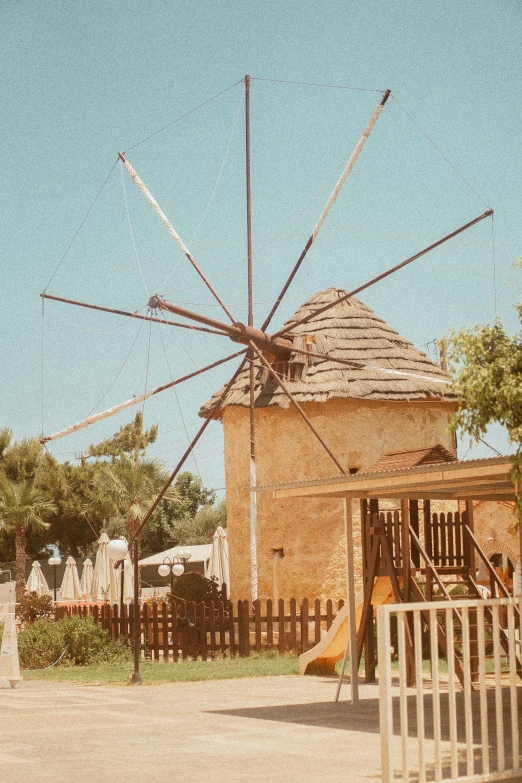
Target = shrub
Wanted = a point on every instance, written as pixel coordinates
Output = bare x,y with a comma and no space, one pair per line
86,642
83,641
34,607
192,586
40,644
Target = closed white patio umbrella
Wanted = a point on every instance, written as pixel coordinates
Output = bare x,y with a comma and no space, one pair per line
218,568
87,577
36,582
70,589
128,581
104,583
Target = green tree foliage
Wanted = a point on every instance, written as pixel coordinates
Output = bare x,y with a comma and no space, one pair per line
79,639
128,487
22,510
192,586
34,607
486,365
179,520
110,489
73,490
18,461
19,465
130,439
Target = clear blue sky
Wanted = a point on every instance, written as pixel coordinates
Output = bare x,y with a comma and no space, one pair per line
81,81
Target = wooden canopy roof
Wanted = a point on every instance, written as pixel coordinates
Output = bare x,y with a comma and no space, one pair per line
481,479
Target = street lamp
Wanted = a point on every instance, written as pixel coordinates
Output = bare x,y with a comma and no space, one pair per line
55,561
117,549
174,566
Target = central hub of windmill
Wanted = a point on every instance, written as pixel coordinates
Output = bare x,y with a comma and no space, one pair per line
236,331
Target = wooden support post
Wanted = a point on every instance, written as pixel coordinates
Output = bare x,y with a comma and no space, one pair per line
352,621
369,641
470,551
472,570
406,582
414,522
364,540
406,550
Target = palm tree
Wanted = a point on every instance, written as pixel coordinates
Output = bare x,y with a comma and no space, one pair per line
22,509
129,486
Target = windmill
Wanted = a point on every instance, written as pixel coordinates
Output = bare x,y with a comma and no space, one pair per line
259,345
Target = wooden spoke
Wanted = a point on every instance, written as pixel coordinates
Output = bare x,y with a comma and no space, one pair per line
299,409
170,228
134,315
188,451
344,176
134,400
388,272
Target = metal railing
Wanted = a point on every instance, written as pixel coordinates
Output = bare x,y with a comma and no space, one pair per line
439,729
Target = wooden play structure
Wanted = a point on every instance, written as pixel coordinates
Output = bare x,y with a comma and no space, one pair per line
412,553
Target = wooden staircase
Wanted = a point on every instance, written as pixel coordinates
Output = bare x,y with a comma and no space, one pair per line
428,557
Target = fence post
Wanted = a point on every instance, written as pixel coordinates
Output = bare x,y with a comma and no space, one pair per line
231,628
145,622
222,627
281,624
317,621
115,621
293,625
202,625
385,694
329,614
269,624
212,627
174,630
256,607
246,628
240,632
123,621
303,647
155,632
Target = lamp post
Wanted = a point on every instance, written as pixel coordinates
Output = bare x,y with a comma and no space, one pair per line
55,561
175,565
117,549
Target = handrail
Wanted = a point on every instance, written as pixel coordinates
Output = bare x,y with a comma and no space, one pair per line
486,562
431,566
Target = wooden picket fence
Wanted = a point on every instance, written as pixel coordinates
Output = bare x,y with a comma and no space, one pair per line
171,632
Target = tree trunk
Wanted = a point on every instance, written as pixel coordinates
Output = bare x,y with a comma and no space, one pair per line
20,547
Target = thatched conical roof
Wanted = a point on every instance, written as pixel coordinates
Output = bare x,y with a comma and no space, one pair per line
349,331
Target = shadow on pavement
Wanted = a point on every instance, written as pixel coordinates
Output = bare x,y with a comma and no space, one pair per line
363,717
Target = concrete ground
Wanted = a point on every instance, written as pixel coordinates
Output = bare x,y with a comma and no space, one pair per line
277,729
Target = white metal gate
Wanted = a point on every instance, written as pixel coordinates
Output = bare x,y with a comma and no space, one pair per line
441,728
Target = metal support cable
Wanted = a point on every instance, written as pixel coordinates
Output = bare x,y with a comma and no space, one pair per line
178,403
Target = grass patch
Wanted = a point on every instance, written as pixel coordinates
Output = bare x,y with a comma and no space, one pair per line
183,671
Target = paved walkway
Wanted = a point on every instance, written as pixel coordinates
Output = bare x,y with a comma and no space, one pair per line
280,729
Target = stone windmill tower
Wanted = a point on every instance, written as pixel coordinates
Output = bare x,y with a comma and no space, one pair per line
390,397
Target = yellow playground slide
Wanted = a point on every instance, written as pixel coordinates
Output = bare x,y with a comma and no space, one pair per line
322,658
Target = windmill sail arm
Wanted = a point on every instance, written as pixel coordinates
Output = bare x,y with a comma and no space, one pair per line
172,231
329,204
133,401
363,366
351,163
315,313
96,417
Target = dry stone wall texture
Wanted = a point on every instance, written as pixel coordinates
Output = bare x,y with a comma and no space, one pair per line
310,532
